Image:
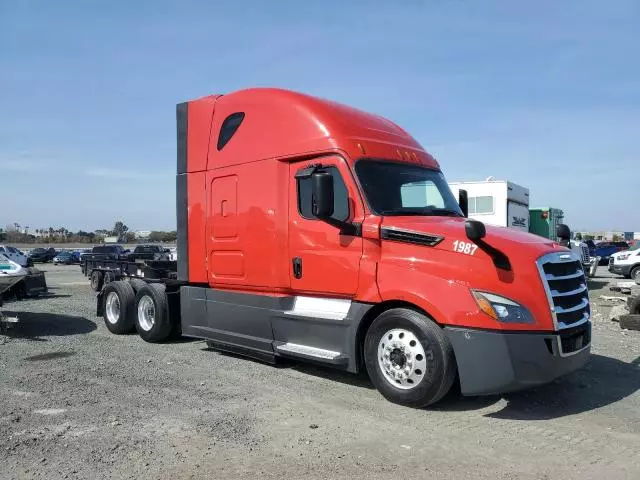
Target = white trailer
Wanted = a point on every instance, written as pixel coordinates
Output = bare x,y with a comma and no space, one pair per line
497,202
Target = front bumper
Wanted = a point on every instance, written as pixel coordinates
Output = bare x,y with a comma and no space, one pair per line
491,362
619,269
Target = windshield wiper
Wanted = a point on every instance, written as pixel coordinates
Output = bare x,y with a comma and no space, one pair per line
443,212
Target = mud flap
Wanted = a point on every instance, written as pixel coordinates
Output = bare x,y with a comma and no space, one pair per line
99,304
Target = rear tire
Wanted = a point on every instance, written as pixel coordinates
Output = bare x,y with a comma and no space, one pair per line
137,284
409,358
96,280
108,278
119,307
152,313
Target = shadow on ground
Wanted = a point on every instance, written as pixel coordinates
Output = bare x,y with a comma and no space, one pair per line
33,326
601,382
596,284
321,371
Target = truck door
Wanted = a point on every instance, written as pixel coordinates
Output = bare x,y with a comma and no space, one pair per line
324,262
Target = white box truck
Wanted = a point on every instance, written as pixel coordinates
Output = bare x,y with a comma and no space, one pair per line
497,202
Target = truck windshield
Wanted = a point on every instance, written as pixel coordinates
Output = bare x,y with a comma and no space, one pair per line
394,188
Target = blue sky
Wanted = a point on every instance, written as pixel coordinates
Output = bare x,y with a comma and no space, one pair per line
545,94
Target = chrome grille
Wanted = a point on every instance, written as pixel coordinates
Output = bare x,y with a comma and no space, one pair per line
566,286
585,254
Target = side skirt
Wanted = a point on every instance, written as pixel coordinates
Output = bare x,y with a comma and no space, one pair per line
313,329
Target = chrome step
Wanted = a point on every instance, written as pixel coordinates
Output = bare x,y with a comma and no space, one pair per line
297,349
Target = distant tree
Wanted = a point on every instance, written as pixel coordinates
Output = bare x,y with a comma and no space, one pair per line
129,237
158,236
578,236
617,238
120,229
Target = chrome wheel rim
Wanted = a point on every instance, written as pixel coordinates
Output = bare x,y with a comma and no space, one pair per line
146,313
402,359
113,308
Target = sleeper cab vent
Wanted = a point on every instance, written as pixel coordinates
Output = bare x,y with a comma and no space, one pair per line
406,236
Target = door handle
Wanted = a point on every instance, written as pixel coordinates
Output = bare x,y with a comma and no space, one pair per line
297,267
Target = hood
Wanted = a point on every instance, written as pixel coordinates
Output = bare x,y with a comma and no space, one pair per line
509,241
435,259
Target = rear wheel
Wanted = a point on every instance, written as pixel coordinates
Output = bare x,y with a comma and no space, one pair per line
108,278
409,358
152,313
96,280
137,284
119,307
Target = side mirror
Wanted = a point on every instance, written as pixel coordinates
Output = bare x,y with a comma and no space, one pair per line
563,232
463,201
322,195
475,230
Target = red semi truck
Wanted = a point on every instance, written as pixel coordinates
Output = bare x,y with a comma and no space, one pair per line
314,231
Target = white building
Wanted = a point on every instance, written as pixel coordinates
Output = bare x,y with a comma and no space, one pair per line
496,202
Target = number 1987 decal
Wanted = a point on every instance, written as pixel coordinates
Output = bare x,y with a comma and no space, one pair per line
467,248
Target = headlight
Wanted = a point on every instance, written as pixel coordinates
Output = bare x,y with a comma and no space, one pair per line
624,256
501,309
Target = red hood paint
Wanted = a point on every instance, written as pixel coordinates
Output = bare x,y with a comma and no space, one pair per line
452,228
431,275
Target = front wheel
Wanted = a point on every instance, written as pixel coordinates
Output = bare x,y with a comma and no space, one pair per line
634,274
409,358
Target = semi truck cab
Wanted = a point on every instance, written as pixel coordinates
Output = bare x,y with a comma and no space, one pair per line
312,230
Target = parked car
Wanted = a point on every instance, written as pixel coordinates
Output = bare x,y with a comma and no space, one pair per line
605,249
627,263
15,255
149,252
108,252
66,258
42,255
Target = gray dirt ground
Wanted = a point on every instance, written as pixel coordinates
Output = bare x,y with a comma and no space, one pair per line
78,402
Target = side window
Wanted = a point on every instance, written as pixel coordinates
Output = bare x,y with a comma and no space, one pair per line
229,128
341,196
483,204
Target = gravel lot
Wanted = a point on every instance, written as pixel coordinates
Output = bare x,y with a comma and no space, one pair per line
78,402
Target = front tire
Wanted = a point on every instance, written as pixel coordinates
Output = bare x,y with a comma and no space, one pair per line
634,274
152,313
409,358
118,309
